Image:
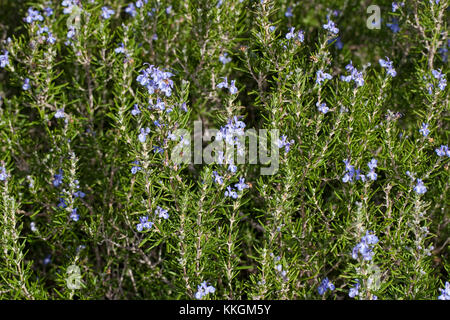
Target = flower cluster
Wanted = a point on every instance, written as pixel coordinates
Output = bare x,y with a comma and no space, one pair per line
231,87
107,12
162,213
355,75
298,36
443,151
156,80
284,143
445,293
33,15
4,60
365,246
3,174
420,187
48,37
204,289
389,66
351,174
324,286
144,224
322,107
424,129
331,26
354,291
322,76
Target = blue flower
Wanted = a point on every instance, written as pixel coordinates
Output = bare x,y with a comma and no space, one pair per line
354,291
135,110
143,135
120,48
4,61
396,6
388,65
203,289
26,84
355,75
223,84
155,79
284,143
231,193
58,178
443,151
288,12
393,26
324,286
33,15
322,107
217,178
331,26
420,187
3,174
321,76
372,164
144,224
441,77
424,130
135,168
241,185
224,58
365,246
445,293
48,11
74,215
107,12
60,114
162,213
131,9
232,88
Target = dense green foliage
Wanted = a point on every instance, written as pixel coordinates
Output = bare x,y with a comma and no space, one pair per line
73,195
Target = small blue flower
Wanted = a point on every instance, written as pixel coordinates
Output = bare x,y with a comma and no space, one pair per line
143,135
354,291
322,107
4,61
424,130
136,167
135,110
284,143
131,9
331,26
204,289
58,178
388,65
107,12
162,213
241,185
224,58
420,187
324,286
33,15
74,215
443,151
321,76
288,12
60,114
217,178
26,84
3,174
231,193
445,293
144,224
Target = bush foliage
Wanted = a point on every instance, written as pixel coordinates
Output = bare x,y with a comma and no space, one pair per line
93,91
